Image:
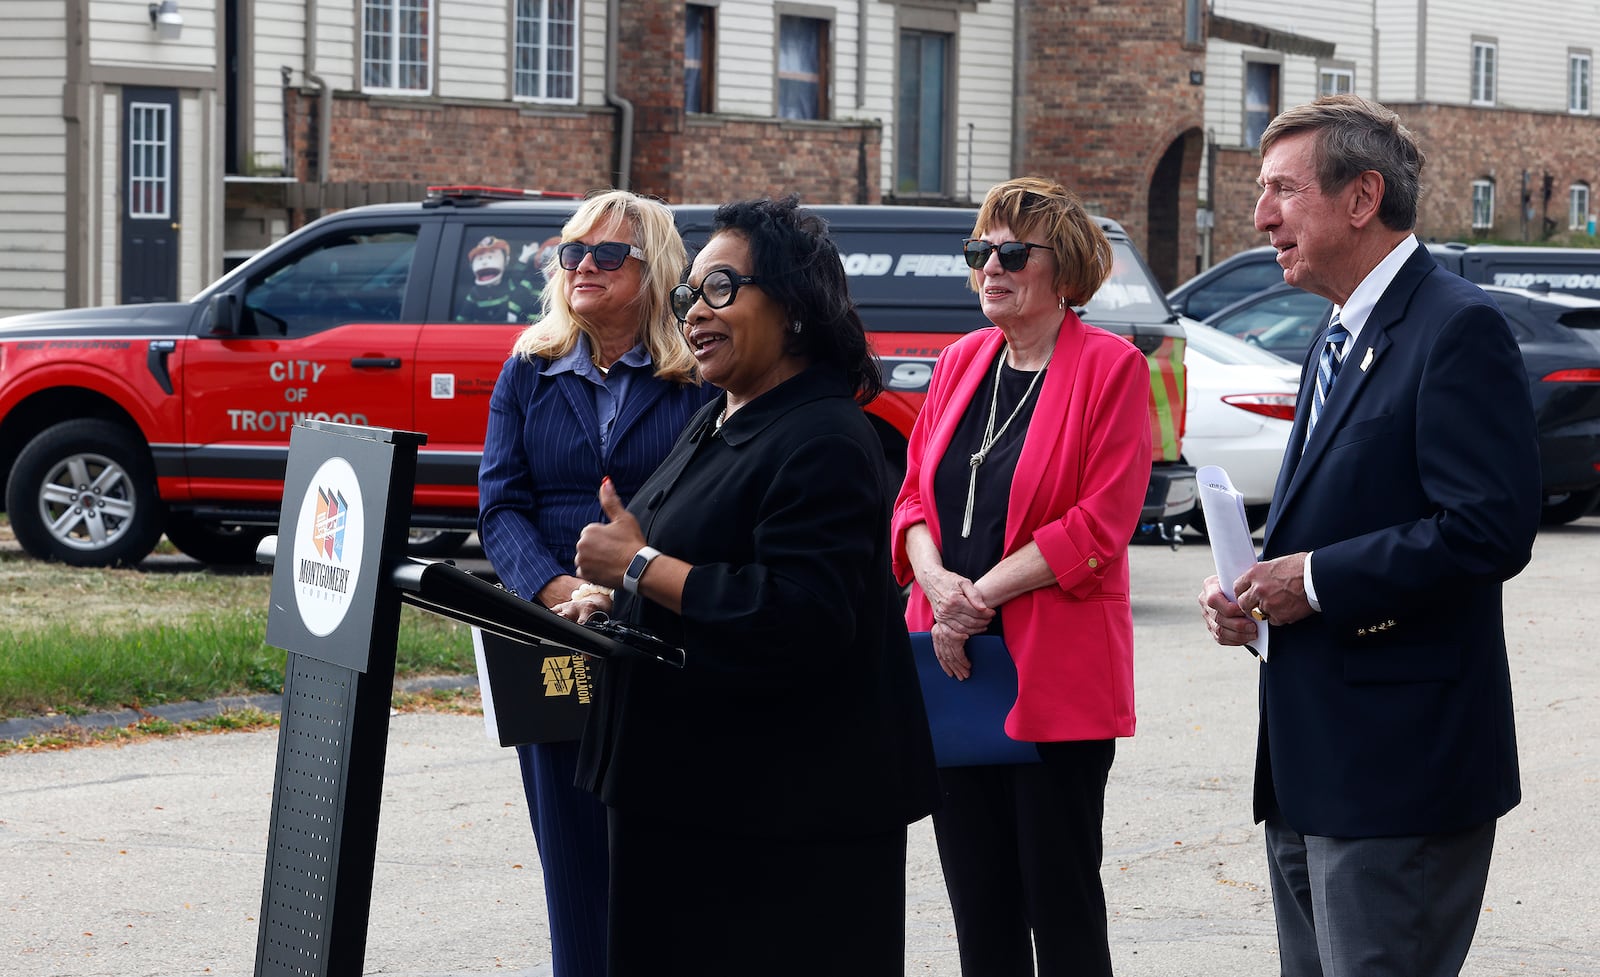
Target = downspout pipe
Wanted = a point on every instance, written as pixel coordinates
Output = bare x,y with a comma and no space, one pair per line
324,95
624,173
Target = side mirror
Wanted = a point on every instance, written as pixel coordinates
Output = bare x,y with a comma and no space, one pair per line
224,315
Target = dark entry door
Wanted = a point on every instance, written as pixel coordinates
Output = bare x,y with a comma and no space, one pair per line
150,218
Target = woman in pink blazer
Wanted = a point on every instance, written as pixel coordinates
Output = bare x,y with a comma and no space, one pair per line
1025,475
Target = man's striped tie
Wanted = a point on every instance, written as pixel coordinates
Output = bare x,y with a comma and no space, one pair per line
1327,368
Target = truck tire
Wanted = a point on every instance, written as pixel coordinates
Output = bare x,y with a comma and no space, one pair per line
213,543
1563,507
435,542
84,493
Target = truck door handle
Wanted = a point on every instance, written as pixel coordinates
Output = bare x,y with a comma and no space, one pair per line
382,362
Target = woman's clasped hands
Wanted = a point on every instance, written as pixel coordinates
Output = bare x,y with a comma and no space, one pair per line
959,612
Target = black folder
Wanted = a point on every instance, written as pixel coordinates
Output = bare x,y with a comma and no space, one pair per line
532,693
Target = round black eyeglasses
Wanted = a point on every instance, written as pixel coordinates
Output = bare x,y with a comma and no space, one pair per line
718,289
1013,254
608,255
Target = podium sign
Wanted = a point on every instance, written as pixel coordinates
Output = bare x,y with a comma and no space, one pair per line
337,493
346,508
340,577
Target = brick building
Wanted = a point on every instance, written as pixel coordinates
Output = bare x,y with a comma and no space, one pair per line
1503,107
220,125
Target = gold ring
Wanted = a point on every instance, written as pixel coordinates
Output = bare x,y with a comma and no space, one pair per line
1258,614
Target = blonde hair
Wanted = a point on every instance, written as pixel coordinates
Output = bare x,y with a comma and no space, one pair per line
556,333
1047,213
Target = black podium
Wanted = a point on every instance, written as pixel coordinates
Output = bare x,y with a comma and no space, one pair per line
340,577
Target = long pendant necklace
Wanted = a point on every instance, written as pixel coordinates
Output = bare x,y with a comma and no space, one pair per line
990,435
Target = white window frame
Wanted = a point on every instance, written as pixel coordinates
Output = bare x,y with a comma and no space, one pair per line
395,40
1578,207
1485,66
1334,73
150,160
543,45
1580,82
1482,204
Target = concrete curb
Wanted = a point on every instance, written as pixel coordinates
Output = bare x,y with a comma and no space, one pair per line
188,711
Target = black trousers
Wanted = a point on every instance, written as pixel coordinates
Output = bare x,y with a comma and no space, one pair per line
1021,847
706,901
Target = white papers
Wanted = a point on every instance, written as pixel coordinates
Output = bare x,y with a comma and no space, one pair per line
491,725
1231,547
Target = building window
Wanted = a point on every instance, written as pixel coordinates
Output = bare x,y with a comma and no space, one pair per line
803,68
1579,68
546,50
920,123
150,160
1193,22
1260,99
1482,204
397,46
1336,81
699,54
1483,68
1578,207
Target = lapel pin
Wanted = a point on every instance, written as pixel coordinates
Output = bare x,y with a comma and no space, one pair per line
1366,361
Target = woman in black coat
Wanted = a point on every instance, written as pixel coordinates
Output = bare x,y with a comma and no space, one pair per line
758,798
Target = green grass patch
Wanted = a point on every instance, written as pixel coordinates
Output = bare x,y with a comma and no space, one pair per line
78,667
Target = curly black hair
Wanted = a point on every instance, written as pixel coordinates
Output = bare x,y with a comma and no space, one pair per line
800,269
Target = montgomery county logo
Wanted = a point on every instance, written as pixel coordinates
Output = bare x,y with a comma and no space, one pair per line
327,526
328,546
566,675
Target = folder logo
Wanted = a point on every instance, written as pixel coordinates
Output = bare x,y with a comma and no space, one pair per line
558,675
566,675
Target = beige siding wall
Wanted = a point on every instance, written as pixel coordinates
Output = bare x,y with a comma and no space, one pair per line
104,239
278,35
1531,49
1347,24
338,44
983,97
474,50
120,35
33,62
1399,41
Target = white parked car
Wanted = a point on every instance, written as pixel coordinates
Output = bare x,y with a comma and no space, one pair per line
1241,406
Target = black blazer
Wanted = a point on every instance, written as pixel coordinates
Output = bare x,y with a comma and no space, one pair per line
798,713
1389,713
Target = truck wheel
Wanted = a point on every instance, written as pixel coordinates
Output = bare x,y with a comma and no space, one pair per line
213,543
435,542
84,492
1564,507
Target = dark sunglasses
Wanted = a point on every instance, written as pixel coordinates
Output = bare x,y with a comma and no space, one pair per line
608,255
718,289
1013,254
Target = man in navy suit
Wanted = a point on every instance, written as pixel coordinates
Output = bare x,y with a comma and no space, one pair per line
1409,494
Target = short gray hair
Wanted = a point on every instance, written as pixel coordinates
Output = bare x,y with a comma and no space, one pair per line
1353,135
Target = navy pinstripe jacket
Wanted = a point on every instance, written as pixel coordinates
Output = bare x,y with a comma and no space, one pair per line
543,461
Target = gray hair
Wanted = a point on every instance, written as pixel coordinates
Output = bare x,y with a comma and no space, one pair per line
1354,135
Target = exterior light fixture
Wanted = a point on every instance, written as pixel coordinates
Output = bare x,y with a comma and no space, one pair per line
165,20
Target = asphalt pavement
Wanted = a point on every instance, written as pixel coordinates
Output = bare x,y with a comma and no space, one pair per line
147,860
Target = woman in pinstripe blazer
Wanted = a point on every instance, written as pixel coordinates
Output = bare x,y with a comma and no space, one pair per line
598,387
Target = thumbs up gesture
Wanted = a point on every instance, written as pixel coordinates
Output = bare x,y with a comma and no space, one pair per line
604,548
